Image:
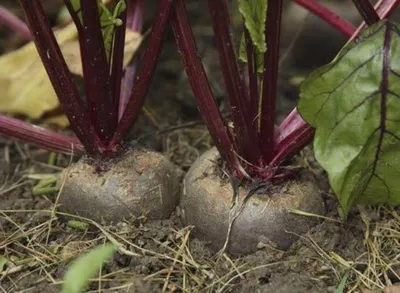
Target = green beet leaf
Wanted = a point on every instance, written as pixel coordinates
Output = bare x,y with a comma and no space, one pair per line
254,13
354,104
79,273
108,21
258,55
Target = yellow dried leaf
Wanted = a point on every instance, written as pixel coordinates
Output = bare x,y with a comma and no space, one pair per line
72,53
25,87
58,120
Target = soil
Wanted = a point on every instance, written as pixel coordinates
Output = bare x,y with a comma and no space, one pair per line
38,243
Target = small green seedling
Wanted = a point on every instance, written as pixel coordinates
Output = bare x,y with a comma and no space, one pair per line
85,267
341,287
78,225
48,184
3,263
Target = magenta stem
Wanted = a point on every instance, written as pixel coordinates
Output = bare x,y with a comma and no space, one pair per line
117,63
293,143
291,124
43,138
60,76
270,79
367,11
384,9
244,134
342,25
126,87
96,74
135,13
201,89
14,23
253,80
145,76
134,22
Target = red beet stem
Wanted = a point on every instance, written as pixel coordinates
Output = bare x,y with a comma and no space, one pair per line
44,138
60,76
201,89
144,78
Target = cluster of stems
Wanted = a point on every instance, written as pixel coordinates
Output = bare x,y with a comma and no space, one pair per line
113,98
252,146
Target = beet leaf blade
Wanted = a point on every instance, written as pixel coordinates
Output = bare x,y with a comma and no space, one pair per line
354,104
255,15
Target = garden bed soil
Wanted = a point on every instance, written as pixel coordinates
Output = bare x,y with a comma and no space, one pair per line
38,244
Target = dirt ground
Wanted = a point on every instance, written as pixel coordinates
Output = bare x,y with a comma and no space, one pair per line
37,242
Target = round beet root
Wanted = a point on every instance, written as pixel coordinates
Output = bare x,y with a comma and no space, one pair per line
265,218
139,183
